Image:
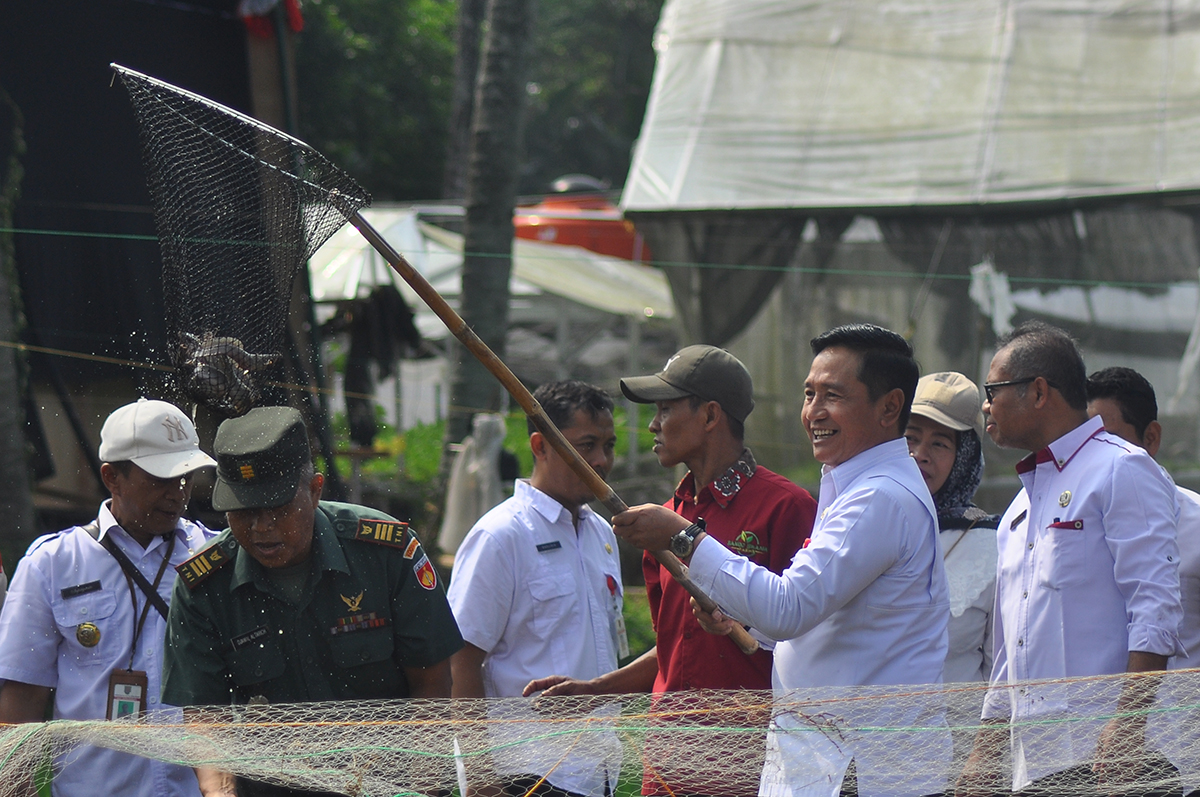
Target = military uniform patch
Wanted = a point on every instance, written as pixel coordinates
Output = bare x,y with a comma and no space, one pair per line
358,622
426,575
383,532
197,569
411,550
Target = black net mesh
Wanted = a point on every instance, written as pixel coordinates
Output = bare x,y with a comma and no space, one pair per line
239,208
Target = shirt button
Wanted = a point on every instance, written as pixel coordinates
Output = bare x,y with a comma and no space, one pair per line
83,610
258,671
1025,594
1031,546
309,660
1020,643
154,700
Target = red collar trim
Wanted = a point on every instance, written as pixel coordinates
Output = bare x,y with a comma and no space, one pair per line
1046,455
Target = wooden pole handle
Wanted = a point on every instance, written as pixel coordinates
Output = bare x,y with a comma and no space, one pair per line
600,488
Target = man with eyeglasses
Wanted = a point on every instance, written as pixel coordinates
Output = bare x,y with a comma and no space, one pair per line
1087,583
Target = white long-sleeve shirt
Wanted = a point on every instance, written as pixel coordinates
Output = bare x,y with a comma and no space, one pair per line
866,602
1088,571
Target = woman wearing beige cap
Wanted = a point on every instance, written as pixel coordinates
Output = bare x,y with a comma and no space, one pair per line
944,436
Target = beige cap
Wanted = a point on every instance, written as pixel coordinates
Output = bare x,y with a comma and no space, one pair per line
949,398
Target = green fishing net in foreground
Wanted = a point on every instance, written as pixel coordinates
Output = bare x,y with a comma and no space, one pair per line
902,740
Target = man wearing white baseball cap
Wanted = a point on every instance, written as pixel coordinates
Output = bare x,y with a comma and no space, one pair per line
86,611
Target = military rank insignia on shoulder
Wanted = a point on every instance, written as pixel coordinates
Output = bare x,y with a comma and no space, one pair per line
197,570
391,533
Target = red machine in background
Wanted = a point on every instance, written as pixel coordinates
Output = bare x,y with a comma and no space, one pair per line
581,215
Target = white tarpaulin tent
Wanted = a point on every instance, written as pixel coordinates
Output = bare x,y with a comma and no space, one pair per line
347,267
594,305
903,103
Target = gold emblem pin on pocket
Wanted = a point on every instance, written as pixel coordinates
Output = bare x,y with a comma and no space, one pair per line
88,634
1065,498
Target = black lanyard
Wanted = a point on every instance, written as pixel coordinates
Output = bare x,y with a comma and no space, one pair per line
133,575
140,623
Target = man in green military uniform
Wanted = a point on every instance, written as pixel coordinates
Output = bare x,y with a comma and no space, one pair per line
300,599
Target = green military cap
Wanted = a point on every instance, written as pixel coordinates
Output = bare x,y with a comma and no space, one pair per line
259,457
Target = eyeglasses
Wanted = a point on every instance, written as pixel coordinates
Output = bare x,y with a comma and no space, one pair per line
990,388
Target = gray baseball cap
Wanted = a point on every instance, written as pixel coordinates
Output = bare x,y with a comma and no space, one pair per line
708,372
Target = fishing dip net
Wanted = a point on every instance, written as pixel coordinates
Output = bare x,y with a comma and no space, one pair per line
239,208
901,740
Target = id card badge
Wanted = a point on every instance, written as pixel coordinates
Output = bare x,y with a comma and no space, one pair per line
618,622
126,693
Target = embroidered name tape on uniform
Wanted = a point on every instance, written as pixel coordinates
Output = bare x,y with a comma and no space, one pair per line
549,546
1017,521
80,589
411,550
242,641
197,569
383,532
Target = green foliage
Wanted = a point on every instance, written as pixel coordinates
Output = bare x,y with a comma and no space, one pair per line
638,625
375,78
589,78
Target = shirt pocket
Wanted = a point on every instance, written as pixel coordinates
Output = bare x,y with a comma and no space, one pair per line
255,663
96,608
360,648
1062,561
552,598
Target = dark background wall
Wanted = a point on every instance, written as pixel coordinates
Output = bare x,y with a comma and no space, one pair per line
85,287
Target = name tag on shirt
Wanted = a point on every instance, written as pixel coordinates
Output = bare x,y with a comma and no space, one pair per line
80,589
242,641
1018,519
543,547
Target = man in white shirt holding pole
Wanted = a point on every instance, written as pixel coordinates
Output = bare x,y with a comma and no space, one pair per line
866,602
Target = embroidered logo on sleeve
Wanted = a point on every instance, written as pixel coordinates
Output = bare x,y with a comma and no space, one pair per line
426,575
392,533
200,567
413,547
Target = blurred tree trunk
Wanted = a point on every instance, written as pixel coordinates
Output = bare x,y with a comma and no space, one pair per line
462,100
16,499
493,168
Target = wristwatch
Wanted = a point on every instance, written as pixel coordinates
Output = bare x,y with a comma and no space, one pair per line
683,542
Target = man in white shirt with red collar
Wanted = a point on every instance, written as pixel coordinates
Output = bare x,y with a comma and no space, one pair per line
1087,580
866,602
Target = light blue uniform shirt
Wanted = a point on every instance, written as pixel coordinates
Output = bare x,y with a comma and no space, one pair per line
67,579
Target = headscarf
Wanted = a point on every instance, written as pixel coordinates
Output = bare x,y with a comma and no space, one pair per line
953,501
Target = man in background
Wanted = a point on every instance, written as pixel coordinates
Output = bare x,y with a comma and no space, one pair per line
1087,580
537,592
702,397
76,616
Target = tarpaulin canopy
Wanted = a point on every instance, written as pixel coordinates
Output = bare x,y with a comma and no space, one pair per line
347,267
918,103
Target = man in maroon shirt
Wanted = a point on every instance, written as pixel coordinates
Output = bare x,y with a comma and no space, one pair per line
703,395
